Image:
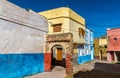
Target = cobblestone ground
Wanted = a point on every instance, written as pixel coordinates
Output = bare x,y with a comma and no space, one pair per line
93,69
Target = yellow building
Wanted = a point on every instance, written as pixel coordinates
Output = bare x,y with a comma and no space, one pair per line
103,41
64,20
100,46
66,33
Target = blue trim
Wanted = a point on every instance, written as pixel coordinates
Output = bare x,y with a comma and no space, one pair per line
83,59
20,65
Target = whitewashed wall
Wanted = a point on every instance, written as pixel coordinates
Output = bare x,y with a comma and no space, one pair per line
21,31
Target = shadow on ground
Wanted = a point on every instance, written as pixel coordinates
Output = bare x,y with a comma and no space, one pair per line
101,70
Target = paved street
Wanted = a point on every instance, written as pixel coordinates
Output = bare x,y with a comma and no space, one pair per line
59,72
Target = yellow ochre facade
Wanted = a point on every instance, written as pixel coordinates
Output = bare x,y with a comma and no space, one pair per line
102,41
100,47
69,20
67,36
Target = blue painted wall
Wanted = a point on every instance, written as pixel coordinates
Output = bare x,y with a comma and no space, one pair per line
86,53
83,59
91,45
20,65
83,56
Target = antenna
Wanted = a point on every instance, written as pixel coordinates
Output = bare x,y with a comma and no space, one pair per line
67,4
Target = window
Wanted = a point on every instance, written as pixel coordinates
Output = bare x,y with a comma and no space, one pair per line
81,32
57,27
80,53
87,52
115,39
105,46
91,37
81,46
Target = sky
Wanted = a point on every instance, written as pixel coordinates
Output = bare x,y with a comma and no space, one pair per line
99,14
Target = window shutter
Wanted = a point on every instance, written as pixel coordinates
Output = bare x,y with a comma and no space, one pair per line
57,28
81,32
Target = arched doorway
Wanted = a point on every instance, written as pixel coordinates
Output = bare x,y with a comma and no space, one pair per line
63,46
58,56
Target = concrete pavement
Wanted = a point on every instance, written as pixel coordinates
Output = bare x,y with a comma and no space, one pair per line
57,72
60,72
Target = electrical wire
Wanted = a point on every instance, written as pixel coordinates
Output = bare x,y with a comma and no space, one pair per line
102,25
64,29
39,26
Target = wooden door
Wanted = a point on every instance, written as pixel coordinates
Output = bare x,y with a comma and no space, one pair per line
59,54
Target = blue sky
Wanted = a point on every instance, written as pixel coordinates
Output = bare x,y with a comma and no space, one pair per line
99,14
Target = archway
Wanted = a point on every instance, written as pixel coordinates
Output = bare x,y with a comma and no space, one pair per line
58,57
60,42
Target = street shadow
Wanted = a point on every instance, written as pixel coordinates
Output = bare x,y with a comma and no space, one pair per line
61,63
113,68
101,70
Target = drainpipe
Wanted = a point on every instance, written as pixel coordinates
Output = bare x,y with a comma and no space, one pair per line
115,57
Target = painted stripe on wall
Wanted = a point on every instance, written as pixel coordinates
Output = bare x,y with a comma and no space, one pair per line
20,65
47,61
83,59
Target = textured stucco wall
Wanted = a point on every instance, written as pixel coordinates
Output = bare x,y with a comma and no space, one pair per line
63,12
70,21
91,44
87,42
87,53
20,30
102,41
87,37
73,28
113,32
63,21
20,65
113,39
96,46
22,38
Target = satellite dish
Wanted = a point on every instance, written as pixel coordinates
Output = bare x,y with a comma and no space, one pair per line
108,28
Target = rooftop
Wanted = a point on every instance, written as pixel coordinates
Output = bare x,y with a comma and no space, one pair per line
63,12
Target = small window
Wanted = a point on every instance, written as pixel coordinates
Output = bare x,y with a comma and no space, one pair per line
57,27
81,46
115,39
105,46
81,32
